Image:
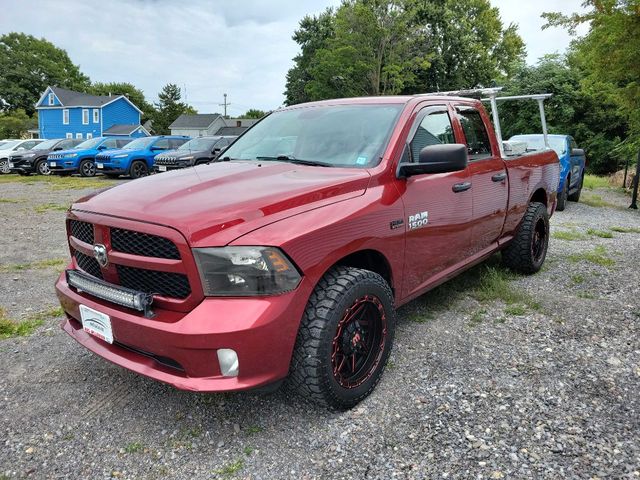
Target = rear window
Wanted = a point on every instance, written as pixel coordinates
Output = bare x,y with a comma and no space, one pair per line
475,133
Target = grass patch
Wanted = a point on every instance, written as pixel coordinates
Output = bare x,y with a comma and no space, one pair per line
515,310
496,284
20,328
50,207
57,263
595,201
577,279
568,235
254,429
248,450
594,181
133,447
230,469
599,233
598,256
8,200
587,295
421,317
55,182
625,229
477,317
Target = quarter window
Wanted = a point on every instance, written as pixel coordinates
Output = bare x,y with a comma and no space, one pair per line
85,116
65,116
434,129
478,143
96,115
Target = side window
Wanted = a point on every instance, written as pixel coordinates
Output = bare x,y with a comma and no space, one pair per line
29,145
111,143
121,143
475,133
162,144
434,129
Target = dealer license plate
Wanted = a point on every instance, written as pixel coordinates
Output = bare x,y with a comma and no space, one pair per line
162,168
52,164
10,165
96,323
99,165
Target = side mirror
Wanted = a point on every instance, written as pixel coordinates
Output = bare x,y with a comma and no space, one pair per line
102,147
57,148
577,152
20,149
443,158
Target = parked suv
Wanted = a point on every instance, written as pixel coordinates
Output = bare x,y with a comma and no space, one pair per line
136,158
81,158
12,147
35,160
194,152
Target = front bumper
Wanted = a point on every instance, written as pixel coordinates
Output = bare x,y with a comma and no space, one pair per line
62,165
109,167
181,349
165,168
21,166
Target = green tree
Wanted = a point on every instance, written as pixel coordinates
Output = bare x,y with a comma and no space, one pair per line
168,108
254,113
28,65
15,123
609,55
129,90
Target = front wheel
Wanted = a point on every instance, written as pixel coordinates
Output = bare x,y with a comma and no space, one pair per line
345,338
4,166
42,168
87,168
527,251
138,169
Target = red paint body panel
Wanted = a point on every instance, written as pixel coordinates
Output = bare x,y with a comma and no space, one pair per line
317,216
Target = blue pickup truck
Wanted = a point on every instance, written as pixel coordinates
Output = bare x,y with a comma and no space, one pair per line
81,159
136,158
572,163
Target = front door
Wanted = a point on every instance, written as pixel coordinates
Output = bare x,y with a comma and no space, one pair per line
437,206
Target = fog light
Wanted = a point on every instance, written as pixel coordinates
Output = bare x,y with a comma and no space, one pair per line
228,360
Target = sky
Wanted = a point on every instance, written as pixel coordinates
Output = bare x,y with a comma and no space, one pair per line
211,47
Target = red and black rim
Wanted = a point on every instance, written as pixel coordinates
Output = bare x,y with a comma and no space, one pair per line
539,240
359,342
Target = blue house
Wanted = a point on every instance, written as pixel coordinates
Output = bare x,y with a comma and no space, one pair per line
64,113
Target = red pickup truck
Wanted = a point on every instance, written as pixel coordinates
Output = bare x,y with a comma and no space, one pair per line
286,260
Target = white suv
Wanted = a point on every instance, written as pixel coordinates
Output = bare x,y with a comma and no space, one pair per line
12,146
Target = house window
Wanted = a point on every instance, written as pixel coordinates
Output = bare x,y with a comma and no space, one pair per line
79,136
69,135
52,99
85,116
96,115
89,135
65,116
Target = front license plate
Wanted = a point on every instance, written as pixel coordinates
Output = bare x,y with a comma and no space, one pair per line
10,165
52,164
99,165
162,168
96,323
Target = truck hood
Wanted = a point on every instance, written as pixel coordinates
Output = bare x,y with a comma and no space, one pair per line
214,204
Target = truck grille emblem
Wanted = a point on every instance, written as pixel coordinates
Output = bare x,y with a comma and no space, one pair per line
100,252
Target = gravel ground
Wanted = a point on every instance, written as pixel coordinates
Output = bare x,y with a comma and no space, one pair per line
477,391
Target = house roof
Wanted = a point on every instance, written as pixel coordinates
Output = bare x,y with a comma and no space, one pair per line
199,120
70,98
235,131
122,129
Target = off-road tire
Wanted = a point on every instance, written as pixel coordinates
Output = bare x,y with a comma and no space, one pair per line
87,168
311,373
562,196
575,196
522,255
42,167
138,169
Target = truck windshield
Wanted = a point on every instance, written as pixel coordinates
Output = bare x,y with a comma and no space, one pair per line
139,143
199,144
536,142
331,135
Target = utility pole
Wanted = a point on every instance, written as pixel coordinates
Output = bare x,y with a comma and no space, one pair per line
225,105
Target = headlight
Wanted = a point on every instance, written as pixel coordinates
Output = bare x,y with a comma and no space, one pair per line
70,155
186,158
29,155
245,271
122,155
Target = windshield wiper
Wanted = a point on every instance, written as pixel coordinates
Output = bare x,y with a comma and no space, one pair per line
290,159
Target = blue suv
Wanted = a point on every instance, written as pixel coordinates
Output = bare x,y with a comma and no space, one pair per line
136,158
81,158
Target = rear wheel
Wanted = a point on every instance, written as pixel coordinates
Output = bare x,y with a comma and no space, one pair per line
575,196
344,339
42,167
87,168
562,196
527,251
138,169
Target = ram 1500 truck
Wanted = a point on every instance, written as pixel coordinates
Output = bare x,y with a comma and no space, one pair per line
287,259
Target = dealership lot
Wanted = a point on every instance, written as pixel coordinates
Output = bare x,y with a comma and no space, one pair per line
546,385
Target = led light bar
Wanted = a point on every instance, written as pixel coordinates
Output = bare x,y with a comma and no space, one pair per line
119,295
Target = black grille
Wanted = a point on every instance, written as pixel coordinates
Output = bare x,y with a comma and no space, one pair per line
88,264
166,284
83,231
138,243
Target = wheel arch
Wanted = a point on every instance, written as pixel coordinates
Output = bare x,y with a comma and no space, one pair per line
540,195
367,259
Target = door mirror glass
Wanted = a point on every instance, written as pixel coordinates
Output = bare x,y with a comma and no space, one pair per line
444,158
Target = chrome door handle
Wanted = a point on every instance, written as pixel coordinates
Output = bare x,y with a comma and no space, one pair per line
461,187
500,177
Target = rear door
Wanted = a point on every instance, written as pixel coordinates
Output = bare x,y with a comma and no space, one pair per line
437,206
488,176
